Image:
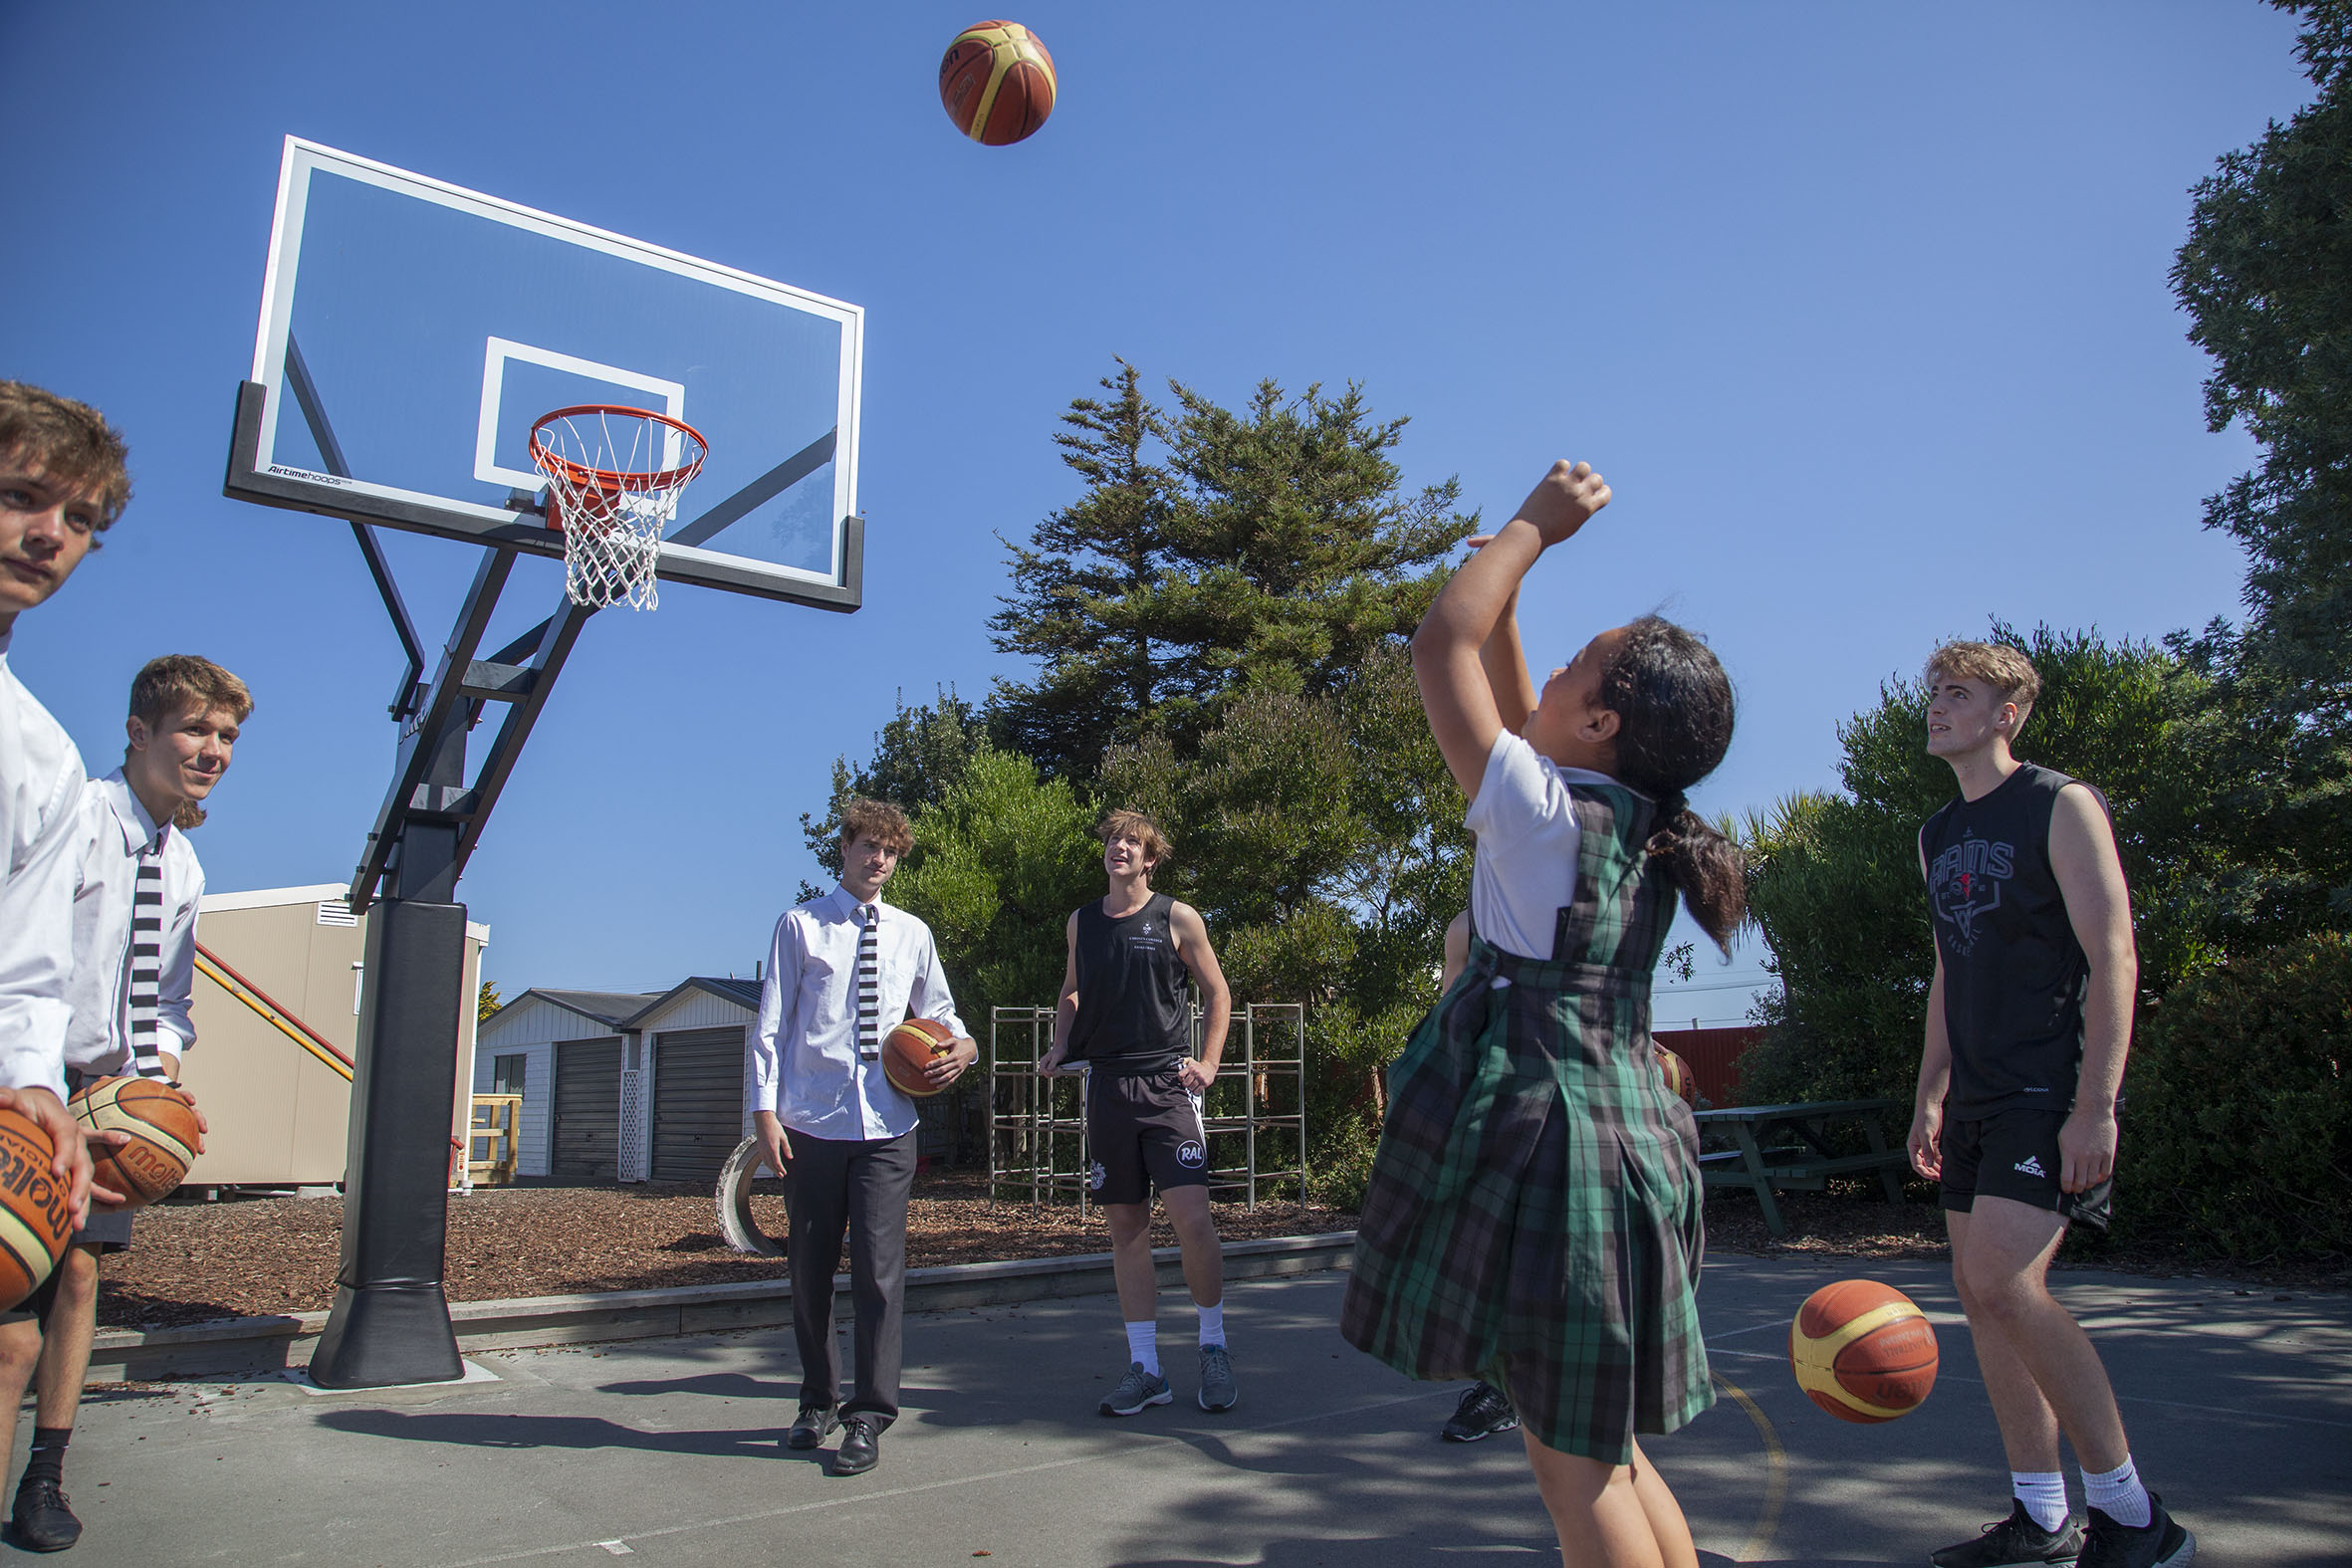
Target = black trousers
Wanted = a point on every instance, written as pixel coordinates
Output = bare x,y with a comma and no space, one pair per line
859,1186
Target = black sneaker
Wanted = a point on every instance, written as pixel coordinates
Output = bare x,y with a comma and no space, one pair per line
2160,1543
2015,1542
1484,1411
43,1521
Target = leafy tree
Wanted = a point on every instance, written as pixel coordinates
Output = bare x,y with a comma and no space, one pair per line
2266,278
486,1002
919,756
1000,860
1211,550
1834,882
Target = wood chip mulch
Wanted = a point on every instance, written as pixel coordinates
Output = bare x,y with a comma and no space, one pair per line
197,1261
192,1262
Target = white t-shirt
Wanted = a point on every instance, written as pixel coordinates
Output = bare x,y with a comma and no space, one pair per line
1525,870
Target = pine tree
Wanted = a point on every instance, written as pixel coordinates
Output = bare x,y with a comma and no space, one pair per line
1271,547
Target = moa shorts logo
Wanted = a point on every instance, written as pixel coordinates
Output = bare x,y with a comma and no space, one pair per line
1096,1176
1191,1155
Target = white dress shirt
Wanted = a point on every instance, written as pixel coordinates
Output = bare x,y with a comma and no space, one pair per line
804,1063
40,817
1523,870
115,831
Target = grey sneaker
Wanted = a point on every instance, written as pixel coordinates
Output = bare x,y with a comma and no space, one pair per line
2013,1542
1217,1390
1137,1389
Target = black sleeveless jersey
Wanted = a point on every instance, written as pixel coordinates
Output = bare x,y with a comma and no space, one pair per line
2014,975
1134,1016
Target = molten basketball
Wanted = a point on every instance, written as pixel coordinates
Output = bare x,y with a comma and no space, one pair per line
910,1049
1676,1072
996,81
35,1220
163,1137
1862,1351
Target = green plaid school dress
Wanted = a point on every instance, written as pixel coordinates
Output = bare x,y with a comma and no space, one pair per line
1533,1210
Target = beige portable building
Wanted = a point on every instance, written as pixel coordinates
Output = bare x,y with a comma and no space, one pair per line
277,1017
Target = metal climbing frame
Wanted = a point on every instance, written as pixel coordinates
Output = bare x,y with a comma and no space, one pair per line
1255,1114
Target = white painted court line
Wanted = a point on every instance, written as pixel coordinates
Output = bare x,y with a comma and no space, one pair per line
2121,1399
1125,1451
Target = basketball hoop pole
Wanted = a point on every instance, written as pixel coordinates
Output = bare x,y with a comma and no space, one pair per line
391,1320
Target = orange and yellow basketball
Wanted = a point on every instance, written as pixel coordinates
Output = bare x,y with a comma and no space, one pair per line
35,1222
163,1143
996,81
1862,1351
910,1049
1676,1072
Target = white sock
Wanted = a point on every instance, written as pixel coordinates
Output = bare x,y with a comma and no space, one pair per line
1143,1345
1212,1324
2044,1493
2119,1494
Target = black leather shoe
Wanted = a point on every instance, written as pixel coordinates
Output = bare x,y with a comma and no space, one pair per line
862,1447
812,1426
43,1521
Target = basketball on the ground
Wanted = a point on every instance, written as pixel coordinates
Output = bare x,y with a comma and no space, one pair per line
996,81
1676,1072
911,1047
1862,1351
35,1220
163,1136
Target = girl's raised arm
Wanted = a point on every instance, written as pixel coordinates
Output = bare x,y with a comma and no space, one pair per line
1463,709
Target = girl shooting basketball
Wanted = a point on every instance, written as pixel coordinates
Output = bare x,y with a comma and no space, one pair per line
1533,1210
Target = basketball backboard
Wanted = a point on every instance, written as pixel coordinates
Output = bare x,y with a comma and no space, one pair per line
412,330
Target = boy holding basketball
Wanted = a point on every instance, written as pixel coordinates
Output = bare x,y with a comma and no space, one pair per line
840,965
134,970
62,482
1124,1014
2028,1018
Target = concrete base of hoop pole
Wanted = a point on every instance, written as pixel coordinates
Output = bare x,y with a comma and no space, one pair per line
390,1321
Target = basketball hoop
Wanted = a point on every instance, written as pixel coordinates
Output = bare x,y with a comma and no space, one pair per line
613,478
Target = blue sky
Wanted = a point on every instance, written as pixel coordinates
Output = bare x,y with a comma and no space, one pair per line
1862,309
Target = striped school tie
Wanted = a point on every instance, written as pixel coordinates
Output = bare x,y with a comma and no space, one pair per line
147,960
869,985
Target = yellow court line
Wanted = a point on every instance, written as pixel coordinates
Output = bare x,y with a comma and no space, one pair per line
1767,1518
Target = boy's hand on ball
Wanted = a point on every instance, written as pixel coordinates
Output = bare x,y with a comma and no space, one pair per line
1564,501
946,1067
102,1144
72,1162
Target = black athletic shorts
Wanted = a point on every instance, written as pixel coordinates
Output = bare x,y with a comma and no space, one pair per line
1143,1132
2014,1155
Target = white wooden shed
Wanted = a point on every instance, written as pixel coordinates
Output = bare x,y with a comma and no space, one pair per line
565,1052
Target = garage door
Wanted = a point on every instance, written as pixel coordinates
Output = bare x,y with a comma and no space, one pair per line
587,1111
697,1102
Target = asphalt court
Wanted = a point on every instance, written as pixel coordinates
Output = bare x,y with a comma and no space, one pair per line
666,1452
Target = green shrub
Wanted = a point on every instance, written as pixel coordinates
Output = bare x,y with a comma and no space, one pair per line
2238,1128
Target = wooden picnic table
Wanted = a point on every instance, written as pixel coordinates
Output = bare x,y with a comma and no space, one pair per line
1787,1146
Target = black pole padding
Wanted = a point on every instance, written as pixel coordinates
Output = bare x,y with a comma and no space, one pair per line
390,1323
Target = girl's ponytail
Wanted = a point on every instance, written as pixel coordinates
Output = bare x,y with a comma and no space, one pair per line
1674,710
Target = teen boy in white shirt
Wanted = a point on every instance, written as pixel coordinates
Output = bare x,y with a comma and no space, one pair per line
185,714
842,972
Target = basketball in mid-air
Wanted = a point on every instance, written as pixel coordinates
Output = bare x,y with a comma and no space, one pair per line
1862,1351
163,1137
996,81
35,1222
910,1049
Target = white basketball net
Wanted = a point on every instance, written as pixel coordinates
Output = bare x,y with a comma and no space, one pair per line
613,477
